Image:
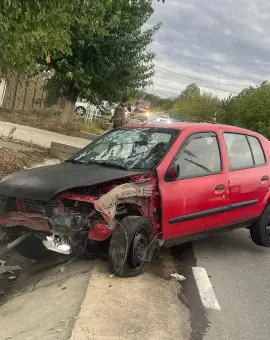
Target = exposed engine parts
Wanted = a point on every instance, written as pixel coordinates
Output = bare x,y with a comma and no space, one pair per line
65,222
55,244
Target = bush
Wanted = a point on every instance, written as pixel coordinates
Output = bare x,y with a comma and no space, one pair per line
48,119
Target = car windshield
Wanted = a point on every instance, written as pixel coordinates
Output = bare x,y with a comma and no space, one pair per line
136,148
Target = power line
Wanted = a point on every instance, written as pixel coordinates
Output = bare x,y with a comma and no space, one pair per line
218,61
204,82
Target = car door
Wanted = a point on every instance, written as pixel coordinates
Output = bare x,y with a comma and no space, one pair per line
248,175
196,200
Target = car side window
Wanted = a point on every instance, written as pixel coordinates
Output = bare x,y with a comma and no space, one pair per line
238,150
257,150
199,156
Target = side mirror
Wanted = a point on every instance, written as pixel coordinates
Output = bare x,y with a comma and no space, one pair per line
174,171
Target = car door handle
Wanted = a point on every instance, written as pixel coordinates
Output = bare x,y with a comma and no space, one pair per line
220,187
265,178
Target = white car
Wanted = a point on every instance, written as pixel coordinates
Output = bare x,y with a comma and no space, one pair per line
163,119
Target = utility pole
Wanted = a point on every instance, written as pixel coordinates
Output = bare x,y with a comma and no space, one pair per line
218,80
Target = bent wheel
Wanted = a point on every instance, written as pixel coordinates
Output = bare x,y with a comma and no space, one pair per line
260,230
131,247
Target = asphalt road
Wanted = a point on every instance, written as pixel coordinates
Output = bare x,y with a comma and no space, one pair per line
227,287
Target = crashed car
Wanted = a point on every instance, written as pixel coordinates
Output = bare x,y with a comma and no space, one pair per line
139,187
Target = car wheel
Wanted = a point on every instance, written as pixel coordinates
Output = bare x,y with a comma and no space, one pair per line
80,111
32,248
260,230
131,247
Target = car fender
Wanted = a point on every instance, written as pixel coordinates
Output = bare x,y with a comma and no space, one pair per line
265,200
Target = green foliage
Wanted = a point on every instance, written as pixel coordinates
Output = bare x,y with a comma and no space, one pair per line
200,106
33,29
190,92
250,109
112,64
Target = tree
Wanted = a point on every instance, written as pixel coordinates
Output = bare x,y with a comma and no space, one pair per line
201,107
191,91
108,65
33,30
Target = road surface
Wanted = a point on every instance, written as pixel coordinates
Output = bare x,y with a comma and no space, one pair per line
227,287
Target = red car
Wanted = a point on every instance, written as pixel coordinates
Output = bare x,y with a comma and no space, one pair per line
138,187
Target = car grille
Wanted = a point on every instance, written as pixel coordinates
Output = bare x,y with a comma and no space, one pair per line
11,204
3,202
37,207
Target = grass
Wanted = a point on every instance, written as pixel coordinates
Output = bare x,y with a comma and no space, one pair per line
48,119
17,160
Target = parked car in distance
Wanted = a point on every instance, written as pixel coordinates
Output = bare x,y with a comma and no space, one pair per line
164,119
138,187
81,107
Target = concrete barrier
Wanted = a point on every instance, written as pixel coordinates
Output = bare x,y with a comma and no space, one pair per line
87,135
62,151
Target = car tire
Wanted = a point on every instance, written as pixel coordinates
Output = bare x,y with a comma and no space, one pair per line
32,248
260,230
131,247
80,111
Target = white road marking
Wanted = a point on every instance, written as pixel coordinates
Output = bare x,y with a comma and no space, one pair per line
206,291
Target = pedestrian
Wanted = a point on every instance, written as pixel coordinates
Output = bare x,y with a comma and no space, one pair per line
119,117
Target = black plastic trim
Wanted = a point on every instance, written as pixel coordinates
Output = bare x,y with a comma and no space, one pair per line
210,212
211,232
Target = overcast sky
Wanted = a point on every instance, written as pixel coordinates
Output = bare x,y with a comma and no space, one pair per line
198,38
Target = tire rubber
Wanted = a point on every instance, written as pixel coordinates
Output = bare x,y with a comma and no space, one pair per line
257,230
120,245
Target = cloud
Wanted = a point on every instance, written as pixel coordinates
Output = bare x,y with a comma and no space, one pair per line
202,40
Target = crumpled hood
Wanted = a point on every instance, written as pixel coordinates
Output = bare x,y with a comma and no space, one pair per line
45,182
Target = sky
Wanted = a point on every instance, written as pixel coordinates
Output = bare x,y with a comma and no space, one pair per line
211,42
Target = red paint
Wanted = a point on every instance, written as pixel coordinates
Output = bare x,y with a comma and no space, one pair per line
188,196
100,233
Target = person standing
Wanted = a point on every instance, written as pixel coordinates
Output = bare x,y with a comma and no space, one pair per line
119,117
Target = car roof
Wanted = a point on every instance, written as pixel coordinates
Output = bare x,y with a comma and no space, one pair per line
183,125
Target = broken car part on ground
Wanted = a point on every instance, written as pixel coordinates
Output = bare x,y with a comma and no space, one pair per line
134,188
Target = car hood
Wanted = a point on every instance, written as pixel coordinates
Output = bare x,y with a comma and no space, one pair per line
45,182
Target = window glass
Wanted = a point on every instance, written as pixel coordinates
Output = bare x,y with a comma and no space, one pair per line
199,156
257,150
238,151
136,148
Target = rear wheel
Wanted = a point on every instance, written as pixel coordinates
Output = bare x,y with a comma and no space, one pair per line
32,248
131,247
260,230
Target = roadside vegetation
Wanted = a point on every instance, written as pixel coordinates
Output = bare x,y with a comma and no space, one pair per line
17,160
249,109
96,50
49,119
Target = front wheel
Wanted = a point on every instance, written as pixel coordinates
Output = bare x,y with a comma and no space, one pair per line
260,230
131,247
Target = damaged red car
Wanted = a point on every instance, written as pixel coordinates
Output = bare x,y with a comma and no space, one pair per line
139,187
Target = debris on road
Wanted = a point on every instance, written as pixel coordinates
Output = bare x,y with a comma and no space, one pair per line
178,277
8,269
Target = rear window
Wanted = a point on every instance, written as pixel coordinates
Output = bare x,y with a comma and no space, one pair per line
257,150
243,151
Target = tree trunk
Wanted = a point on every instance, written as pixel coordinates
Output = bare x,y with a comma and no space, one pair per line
67,114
